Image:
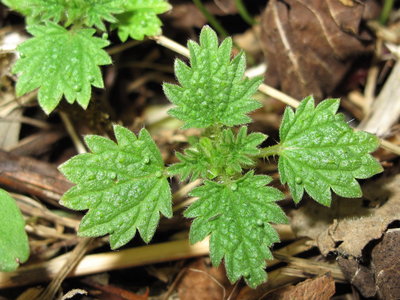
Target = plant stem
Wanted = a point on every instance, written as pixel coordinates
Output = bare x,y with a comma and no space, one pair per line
244,13
270,151
387,8
211,19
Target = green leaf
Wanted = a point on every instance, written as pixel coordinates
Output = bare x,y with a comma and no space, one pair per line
237,216
140,19
123,185
93,12
14,246
225,154
319,151
88,12
38,10
213,90
60,62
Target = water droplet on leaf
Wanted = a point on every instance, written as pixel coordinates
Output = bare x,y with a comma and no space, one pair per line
299,180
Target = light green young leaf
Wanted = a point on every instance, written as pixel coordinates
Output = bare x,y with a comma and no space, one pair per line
60,62
14,246
225,154
237,215
38,10
93,12
319,152
213,90
87,12
140,19
123,185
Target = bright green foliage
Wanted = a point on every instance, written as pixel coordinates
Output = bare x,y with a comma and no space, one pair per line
14,246
212,90
226,154
319,151
60,62
86,12
237,215
123,185
140,19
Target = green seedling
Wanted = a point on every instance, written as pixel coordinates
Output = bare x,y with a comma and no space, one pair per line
64,54
124,185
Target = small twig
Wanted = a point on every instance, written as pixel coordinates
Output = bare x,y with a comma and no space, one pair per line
184,190
184,204
73,260
170,44
122,47
212,278
310,266
80,148
103,262
370,86
172,287
28,121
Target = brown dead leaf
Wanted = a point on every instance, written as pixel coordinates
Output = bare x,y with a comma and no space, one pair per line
310,45
319,288
347,227
187,15
355,233
386,262
226,6
347,2
201,281
249,41
350,227
313,220
380,276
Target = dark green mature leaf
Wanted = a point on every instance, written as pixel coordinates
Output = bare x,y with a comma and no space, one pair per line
14,246
88,12
123,185
140,19
225,154
319,152
237,216
212,90
60,62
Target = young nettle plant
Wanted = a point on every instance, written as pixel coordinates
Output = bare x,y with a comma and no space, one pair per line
124,185
64,55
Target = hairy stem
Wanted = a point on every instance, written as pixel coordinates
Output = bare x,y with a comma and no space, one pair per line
210,18
270,151
387,8
244,13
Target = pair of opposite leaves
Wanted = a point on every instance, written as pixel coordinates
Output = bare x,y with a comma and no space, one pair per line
124,185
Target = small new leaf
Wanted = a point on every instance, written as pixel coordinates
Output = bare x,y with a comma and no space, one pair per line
60,62
225,154
123,186
213,89
14,246
319,152
140,19
237,215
